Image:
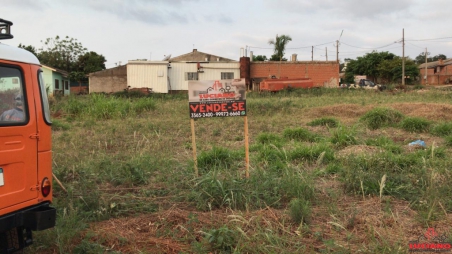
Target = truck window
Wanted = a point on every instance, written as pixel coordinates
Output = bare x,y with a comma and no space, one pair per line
44,99
13,106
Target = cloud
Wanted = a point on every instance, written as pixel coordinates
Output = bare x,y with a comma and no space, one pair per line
25,4
349,8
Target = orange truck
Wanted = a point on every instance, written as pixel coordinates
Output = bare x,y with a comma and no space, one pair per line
275,85
25,147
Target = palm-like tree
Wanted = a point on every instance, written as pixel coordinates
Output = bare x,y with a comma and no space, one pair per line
280,45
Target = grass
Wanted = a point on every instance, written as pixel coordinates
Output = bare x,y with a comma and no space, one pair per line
415,124
127,163
325,121
381,117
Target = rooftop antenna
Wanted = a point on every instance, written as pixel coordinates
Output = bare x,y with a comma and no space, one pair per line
166,58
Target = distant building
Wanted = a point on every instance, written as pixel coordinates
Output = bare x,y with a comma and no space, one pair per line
56,81
108,81
174,74
438,72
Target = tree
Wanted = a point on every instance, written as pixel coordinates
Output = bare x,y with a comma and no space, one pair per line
88,63
69,55
420,59
61,53
279,44
439,56
259,58
29,48
367,65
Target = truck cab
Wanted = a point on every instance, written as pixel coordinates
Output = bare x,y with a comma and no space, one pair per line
25,147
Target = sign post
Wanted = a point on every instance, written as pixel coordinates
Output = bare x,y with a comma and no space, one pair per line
193,143
218,98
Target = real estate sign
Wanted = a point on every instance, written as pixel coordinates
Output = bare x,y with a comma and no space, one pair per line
217,98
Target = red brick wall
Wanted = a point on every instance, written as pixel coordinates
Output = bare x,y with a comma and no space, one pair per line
322,73
439,78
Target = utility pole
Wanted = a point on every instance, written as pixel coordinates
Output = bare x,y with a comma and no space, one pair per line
312,53
425,72
326,53
337,51
403,57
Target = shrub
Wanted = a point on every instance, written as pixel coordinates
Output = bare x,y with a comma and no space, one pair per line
415,124
325,121
448,141
380,117
269,138
300,211
343,136
222,239
386,143
218,157
300,134
313,153
442,129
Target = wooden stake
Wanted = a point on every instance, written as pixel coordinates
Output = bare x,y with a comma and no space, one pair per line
193,143
59,183
247,153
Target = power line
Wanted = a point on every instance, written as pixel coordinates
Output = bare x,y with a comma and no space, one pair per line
294,47
369,48
415,45
431,39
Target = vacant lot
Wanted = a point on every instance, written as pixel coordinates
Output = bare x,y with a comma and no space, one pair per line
331,172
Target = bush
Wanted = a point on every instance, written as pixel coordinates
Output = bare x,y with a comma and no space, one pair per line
321,153
269,138
381,117
300,211
442,129
415,124
218,157
300,134
343,136
385,143
222,239
325,121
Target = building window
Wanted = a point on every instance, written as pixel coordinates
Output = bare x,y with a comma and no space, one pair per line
227,75
57,84
66,85
191,76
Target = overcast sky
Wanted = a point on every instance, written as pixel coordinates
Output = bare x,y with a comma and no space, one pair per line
123,30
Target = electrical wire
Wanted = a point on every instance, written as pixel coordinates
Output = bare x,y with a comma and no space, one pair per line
415,45
369,48
431,39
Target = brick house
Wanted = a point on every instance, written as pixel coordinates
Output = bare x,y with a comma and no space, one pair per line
322,73
438,72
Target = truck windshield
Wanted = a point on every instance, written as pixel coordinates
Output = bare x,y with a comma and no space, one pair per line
44,99
13,107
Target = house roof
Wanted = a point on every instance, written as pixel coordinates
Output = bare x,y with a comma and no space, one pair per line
198,56
436,63
64,73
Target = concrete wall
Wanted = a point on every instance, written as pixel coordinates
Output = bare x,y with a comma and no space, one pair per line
108,81
322,73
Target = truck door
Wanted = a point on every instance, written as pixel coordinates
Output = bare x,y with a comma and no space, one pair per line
18,137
